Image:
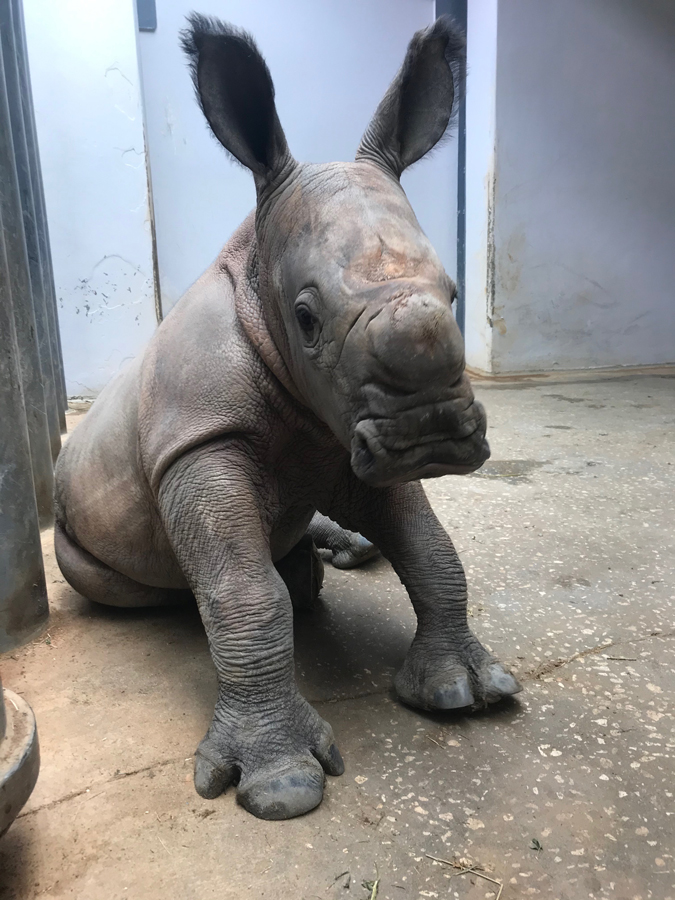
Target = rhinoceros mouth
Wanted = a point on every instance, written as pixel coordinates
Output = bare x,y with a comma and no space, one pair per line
382,456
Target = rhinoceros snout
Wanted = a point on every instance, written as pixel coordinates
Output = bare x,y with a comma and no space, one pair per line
425,442
416,341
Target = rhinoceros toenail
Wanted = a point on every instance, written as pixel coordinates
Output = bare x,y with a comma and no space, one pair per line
286,795
503,681
456,696
337,765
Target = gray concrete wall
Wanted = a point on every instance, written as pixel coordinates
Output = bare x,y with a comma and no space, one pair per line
331,64
584,205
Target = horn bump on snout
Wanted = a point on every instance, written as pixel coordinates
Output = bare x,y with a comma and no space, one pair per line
416,340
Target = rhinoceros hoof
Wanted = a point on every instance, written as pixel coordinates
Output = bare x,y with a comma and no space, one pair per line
283,789
444,679
279,770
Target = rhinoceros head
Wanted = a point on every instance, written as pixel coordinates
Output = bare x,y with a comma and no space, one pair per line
354,296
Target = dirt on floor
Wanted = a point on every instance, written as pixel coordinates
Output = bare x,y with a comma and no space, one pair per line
567,792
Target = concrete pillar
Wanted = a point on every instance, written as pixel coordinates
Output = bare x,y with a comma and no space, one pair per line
23,593
40,208
33,285
24,322
19,756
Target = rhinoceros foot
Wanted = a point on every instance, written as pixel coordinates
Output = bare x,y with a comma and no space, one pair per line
277,759
348,548
435,676
357,552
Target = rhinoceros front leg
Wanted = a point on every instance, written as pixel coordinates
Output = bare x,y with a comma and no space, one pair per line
446,667
264,735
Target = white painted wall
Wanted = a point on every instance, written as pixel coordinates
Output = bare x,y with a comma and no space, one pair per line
570,129
585,186
86,90
331,63
481,32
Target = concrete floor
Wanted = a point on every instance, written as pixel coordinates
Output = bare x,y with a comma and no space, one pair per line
567,537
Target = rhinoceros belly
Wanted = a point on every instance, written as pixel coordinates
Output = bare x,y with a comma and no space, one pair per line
102,496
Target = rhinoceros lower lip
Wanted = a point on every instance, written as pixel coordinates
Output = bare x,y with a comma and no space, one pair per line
381,463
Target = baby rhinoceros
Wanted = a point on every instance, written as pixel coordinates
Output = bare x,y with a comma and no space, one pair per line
315,368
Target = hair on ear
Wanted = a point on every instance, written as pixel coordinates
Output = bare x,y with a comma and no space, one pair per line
236,93
422,101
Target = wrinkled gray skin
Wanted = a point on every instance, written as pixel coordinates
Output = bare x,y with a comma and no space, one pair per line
316,365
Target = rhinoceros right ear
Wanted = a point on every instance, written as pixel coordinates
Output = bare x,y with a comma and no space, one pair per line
421,101
235,90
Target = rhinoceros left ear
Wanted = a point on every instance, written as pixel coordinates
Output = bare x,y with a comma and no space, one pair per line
421,101
235,90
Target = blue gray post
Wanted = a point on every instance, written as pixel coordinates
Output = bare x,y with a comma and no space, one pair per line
30,432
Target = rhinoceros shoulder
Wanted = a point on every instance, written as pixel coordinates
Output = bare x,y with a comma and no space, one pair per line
201,377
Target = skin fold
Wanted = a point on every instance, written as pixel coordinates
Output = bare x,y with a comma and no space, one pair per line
293,397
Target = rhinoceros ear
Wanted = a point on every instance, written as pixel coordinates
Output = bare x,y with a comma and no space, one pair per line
235,90
421,101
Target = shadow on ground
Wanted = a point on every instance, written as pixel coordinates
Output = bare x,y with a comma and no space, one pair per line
566,792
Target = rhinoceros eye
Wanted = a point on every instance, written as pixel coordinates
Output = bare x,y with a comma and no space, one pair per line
305,319
307,322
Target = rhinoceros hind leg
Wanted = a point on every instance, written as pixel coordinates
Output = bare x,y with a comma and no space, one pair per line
349,548
302,572
97,581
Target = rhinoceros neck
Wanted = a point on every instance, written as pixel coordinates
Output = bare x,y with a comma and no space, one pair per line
252,314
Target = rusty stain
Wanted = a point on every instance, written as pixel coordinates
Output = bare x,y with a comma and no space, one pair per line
491,263
499,323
